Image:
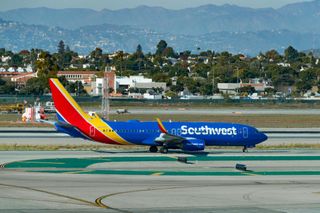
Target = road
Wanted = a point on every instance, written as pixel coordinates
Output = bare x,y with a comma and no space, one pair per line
87,181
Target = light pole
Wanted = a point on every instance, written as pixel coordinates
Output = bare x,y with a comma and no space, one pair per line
105,105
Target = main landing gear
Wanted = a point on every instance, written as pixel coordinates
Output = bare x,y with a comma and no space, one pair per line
164,150
153,149
245,149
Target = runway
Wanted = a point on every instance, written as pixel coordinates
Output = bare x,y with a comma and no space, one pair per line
49,136
137,181
214,111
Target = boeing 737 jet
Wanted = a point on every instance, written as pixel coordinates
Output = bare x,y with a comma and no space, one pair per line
187,136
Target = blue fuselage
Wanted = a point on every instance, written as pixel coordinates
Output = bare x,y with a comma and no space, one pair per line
213,134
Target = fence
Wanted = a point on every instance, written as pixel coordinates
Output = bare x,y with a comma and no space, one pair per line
127,102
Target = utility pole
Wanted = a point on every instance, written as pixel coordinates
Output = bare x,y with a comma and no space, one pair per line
105,105
213,83
213,74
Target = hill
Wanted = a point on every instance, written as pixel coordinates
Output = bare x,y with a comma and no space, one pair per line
298,17
17,36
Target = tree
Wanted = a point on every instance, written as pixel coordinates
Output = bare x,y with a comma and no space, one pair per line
307,80
61,46
68,49
161,46
273,55
270,91
79,88
2,51
139,52
247,90
36,86
6,87
118,61
169,52
171,94
43,64
16,61
291,54
96,54
63,80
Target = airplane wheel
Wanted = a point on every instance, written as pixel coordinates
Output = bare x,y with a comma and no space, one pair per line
164,150
153,149
244,149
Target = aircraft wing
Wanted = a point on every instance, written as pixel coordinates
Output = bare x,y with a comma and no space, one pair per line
167,138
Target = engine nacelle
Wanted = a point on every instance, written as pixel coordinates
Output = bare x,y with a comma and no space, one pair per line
193,145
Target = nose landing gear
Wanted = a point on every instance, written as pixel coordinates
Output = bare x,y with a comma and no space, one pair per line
245,149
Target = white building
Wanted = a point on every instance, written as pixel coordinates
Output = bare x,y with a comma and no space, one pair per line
152,97
137,81
29,68
11,69
5,59
20,69
283,64
228,88
97,86
231,88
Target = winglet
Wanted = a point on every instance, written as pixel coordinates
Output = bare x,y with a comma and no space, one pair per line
161,127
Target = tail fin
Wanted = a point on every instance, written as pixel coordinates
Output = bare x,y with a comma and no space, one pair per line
69,112
67,108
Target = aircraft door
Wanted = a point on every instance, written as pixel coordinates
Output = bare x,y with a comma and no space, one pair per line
245,132
173,131
92,131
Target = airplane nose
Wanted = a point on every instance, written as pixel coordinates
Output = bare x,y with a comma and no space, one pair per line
263,137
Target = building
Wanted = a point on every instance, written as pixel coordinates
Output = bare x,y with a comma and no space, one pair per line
152,96
110,76
21,79
8,75
116,82
228,88
86,77
231,88
137,81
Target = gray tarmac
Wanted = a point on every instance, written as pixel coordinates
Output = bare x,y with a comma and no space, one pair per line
30,190
216,111
23,191
48,136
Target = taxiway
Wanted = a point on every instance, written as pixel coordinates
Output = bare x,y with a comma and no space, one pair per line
136,181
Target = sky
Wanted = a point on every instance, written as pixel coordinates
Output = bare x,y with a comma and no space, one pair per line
120,4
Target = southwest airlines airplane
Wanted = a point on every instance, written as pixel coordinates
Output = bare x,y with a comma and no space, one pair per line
187,136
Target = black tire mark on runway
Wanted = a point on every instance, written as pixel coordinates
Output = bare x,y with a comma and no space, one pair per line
54,194
98,201
39,200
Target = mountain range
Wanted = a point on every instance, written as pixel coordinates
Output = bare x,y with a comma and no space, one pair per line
226,27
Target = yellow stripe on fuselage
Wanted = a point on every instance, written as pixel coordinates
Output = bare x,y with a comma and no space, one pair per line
95,121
